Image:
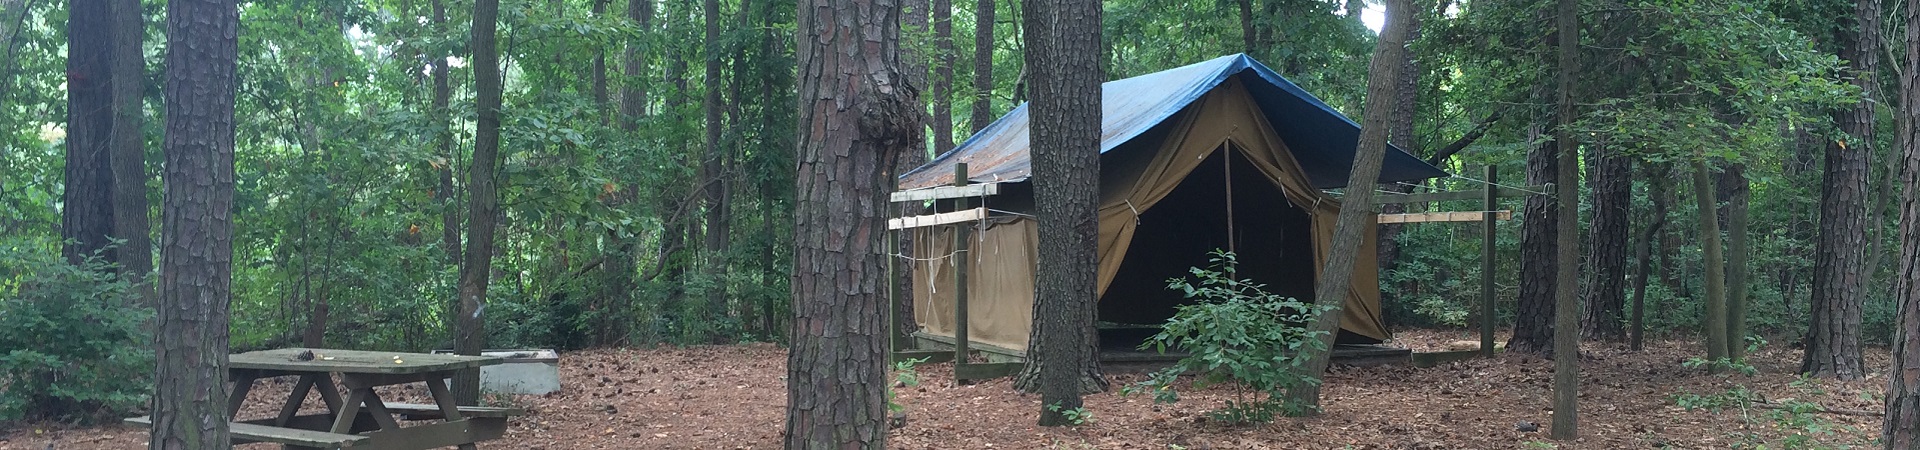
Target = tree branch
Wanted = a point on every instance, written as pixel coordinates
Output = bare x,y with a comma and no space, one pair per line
1479,129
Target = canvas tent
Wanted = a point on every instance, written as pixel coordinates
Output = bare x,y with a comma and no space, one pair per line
1223,153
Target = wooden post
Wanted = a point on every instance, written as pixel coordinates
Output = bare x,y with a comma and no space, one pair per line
1488,223
963,238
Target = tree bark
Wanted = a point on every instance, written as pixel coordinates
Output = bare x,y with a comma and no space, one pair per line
1643,251
1533,321
1387,247
443,143
1063,51
1336,277
857,113
483,202
1901,425
1737,259
132,222
1566,319
86,215
942,76
1605,295
714,182
1715,323
1839,272
190,339
982,65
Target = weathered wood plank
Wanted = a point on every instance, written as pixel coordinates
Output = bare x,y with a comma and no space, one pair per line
945,192
1383,198
288,436
355,361
965,215
1455,216
985,371
930,356
421,411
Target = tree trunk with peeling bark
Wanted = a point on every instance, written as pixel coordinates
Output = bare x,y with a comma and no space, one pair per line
1901,426
1839,271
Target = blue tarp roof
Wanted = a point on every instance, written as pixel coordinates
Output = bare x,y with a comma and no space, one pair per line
1321,139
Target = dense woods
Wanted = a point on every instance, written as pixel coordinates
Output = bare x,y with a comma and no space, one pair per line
411,175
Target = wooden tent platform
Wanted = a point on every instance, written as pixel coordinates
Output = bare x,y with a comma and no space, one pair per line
1127,358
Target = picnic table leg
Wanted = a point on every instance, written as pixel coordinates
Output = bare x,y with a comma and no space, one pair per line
242,384
329,394
350,409
448,407
379,411
292,407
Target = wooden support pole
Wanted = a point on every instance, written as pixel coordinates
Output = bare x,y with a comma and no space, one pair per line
963,238
1487,317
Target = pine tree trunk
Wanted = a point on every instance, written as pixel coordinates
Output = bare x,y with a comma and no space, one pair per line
86,215
1336,276
857,115
1738,254
1533,321
1605,295
1839,272
714,182
131,214
1566,319
1063,51
196,258
982,65
1901,426
1715,322
1387,245
483,202
943,76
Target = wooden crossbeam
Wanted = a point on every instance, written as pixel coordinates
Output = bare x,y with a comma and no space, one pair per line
943,192
965,215
1383,198
1456,216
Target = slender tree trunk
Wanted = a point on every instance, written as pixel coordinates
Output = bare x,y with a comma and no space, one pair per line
86,215
131,214
1063,50
1901,426
856,115
1737,260
443,142
1643,249
1566,319
1249,36
1533,321
483,202
1839,272
190,343
942,76
1336,277
1716,295
601,97
982,65
1605,295
714,181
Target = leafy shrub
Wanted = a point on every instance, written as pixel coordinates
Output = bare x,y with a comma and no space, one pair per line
73,344
1237,333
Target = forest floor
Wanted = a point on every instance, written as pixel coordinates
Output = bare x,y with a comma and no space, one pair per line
732,397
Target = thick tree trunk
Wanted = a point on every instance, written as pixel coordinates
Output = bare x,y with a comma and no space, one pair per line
1735,182
86,215
982,65
1566,319
483,202
856,114
190,343
131,215
1901,426
714,182
1605,295
1400,132
1336,277
1063,51
1533,321
1839,272
1715,322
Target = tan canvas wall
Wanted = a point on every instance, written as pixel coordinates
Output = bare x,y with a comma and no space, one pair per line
1001,300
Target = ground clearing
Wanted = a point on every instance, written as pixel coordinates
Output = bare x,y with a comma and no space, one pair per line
732,397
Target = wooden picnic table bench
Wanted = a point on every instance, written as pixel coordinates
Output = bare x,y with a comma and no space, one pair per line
360,420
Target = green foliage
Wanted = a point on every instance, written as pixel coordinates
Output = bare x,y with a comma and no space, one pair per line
72,333
903,376
1236,333
1077,416
1800,420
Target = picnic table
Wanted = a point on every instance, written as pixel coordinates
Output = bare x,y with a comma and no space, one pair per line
361,419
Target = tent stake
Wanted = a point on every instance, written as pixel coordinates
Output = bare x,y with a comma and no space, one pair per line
1486,261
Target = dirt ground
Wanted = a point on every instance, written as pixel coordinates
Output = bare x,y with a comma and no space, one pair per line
732,397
